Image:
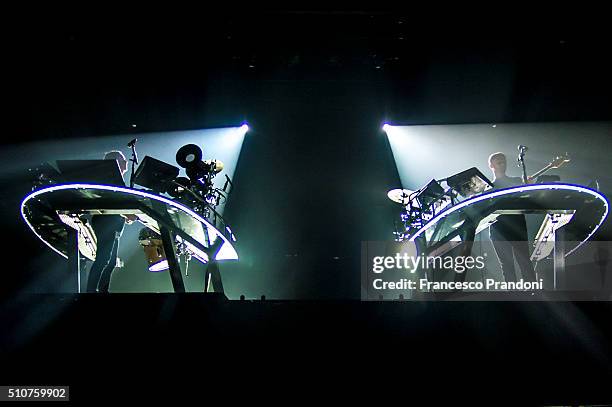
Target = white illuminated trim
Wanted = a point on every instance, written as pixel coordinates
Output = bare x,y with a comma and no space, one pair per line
456,225
513,190
229,252
159,266
197,253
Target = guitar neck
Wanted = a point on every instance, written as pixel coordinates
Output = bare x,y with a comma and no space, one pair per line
542,171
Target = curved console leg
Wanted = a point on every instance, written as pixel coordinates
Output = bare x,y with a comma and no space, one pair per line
74,261
213,277
559,260
174,267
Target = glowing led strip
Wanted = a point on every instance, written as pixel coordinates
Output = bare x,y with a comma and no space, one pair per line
513,190
159,266
228,253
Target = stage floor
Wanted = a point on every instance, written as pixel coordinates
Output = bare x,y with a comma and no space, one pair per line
562,348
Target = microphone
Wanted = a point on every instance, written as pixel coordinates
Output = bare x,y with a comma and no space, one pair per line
522,148
228,181
132,145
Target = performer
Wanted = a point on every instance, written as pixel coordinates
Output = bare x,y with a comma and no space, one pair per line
108,230
509,233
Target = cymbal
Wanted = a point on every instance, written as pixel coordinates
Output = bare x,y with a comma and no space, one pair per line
400,195
218,165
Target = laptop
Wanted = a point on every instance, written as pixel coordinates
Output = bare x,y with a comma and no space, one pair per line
91,172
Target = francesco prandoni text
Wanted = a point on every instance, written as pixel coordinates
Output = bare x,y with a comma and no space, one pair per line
488,284
459,264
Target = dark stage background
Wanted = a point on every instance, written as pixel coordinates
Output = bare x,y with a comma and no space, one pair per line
315,164
315,89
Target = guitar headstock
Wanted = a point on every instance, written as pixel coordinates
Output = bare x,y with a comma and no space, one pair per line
560,160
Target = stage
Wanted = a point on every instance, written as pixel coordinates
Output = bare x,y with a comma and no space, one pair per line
211,207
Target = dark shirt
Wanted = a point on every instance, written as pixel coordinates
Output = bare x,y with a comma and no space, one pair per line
109,226
507,182
508,227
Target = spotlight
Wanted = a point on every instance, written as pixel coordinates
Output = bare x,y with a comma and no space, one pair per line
244,127
386,127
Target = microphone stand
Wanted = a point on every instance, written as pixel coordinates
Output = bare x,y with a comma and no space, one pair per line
521,161
134,161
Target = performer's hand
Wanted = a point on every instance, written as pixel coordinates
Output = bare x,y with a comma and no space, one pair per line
530,180
129,219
